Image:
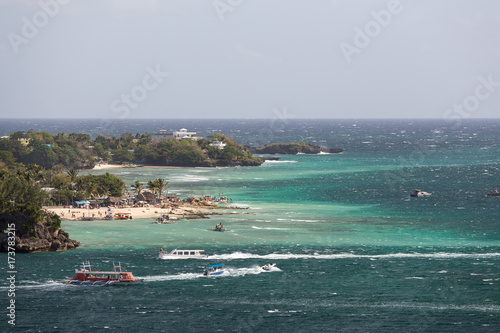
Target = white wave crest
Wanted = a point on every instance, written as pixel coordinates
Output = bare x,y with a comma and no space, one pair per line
285,256
228,271
254,227
272,161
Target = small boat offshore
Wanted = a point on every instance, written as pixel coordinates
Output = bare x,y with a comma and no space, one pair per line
214,270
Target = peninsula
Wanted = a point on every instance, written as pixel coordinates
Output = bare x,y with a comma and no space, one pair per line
79,151
293,148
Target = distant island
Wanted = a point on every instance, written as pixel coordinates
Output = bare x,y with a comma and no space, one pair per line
293,148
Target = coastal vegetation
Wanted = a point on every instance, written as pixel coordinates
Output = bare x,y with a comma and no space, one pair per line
34,229
293,148
25,189
79,151
155,186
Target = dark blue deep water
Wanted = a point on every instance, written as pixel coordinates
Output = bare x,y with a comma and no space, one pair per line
354,252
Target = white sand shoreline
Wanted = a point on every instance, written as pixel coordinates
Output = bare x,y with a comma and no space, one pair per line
187,211
105,166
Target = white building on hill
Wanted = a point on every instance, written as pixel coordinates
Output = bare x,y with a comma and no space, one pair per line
218,144
178,135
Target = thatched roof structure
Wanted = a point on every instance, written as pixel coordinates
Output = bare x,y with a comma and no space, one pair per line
113,200
145,195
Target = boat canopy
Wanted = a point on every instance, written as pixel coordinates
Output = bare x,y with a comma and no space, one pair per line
218,265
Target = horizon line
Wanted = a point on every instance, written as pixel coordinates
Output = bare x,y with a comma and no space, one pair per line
272,118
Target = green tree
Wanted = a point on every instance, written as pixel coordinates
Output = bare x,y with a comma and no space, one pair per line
100,151
72,174
43,155
122,155
153,186
137,186
8,158
20,187
161,185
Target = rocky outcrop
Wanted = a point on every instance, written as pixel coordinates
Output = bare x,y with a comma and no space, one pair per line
41,237
25,245
231,163
292,149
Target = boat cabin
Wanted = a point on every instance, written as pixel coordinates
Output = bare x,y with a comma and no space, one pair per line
214,269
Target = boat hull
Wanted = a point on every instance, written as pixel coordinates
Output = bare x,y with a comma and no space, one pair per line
204,256
103,282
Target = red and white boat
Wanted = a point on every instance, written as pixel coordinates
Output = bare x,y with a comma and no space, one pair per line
86,276
123,216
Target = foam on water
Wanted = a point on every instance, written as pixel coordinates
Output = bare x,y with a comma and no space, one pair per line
279,256
228,272
278,162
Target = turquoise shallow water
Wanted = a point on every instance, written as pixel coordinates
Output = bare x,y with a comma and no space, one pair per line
354,252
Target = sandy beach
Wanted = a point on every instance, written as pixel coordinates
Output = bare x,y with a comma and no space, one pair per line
104,166
181,211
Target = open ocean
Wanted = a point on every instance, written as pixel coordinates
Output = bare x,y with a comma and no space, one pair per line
354,252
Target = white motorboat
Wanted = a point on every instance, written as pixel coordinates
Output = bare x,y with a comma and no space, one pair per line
165,219
182,254
214,270
268,267
419,194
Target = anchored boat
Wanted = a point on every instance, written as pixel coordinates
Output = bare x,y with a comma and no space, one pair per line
494,193
165,219
86,276
419,194
123,216
219,227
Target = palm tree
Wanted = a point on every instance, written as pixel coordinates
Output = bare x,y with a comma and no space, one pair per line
137,186
161,185
72,173
153,186
92,190
35,172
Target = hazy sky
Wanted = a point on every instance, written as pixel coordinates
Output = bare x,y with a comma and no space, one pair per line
249,59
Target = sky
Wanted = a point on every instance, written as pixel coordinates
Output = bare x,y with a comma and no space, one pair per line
121,59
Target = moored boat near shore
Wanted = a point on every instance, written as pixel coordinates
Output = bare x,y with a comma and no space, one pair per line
165,219
123,216
219,227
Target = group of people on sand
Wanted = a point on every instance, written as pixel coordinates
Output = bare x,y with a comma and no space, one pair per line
83,214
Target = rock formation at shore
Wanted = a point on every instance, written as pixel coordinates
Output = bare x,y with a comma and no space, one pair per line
292,149
34,236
